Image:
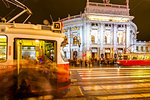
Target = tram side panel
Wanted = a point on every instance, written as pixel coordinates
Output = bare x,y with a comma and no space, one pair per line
63,81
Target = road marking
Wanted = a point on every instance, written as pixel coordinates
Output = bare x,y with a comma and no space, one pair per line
115,77
114,97
80,90
106,68
95,75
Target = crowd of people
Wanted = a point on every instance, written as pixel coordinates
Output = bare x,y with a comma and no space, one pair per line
91,62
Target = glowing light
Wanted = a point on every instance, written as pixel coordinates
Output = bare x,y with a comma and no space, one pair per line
37,41
107,18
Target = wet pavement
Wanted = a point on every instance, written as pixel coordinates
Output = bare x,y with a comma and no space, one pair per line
88,83
109,83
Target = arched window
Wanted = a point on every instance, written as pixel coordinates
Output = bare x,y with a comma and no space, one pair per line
147,49
75,41
93,39
106,39
120,37
118,40
137,48
141,48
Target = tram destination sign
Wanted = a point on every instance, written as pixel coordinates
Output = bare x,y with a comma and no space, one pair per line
57,26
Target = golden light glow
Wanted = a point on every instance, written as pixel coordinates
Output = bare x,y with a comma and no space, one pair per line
2,38
107,18
37,41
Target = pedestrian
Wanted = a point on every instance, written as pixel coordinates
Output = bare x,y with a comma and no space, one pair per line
81,62
89,63
98,62
85,63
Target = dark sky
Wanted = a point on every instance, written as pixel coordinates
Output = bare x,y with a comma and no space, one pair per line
61,8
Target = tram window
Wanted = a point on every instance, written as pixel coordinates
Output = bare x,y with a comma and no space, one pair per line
126,57
50,50
37,50
141,57
134,58
147,49
148,57
3,48
120,58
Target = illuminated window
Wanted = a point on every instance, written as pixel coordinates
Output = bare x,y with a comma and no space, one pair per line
120,37
72,28
65,30
3,48
147,49
118,40
141,48
75,41
37,50
137,48
76,28
107,37
93,39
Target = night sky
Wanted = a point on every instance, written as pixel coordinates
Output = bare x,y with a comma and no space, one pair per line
42,9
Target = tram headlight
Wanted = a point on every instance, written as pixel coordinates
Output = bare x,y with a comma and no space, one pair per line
118,62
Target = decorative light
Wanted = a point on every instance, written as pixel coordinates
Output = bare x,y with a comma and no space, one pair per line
37,41
72,28
76,28
107,18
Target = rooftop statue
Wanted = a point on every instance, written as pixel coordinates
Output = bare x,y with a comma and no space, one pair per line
106,1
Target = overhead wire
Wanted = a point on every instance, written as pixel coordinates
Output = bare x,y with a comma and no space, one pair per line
11,10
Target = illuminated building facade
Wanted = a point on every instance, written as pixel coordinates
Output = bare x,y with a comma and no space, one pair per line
104,29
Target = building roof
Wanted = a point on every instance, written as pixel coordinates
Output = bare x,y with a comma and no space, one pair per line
107,8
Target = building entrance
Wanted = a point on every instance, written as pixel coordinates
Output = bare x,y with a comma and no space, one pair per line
75,54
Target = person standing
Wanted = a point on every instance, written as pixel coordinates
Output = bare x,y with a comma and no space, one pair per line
81,62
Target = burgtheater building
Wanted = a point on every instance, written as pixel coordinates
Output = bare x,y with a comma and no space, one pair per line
104,30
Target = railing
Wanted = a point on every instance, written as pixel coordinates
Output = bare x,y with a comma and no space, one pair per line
107,5
72,17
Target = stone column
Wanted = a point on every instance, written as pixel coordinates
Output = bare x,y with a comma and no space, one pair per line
81,40
115,38
69,42
127,38
102,37
88,36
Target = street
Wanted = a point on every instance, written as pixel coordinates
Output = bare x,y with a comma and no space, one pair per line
109,83
99,83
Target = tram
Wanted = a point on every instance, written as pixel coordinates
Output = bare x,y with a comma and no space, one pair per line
31,63
28,48
133,59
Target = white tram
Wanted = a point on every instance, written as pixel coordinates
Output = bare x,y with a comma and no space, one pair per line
28,38
20,43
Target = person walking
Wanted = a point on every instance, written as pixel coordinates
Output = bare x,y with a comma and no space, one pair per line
81,62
